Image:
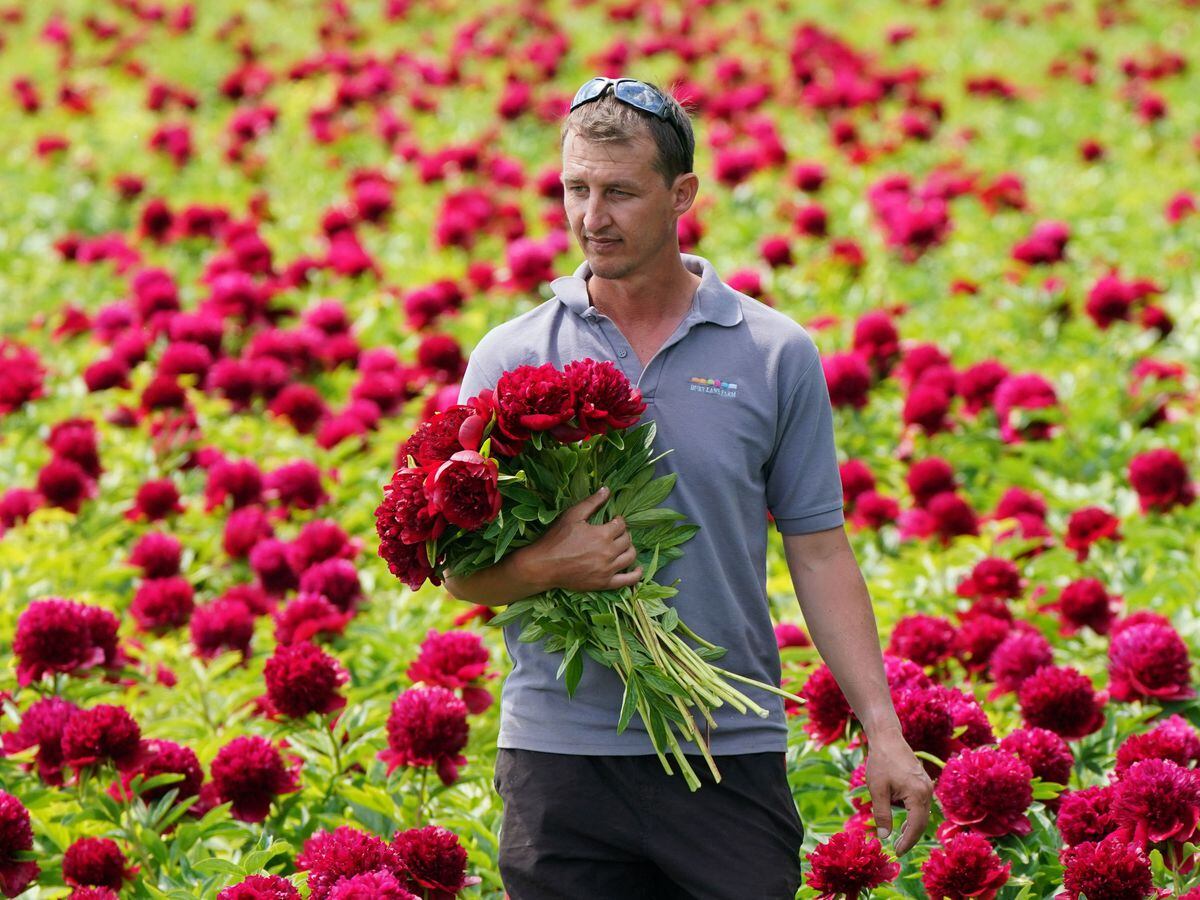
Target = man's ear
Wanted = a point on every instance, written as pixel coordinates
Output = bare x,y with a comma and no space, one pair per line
683,192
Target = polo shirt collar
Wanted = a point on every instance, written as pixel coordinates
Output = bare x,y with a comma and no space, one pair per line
714,300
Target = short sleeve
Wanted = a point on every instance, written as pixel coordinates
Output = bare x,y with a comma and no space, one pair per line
803,481
477,376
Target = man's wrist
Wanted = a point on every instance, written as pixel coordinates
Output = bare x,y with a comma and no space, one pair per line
524,567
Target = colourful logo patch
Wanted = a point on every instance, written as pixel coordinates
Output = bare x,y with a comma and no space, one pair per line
712,386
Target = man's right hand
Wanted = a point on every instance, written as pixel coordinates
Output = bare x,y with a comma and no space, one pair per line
577,556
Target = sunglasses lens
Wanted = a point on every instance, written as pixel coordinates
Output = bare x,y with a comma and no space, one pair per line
642,96
589,91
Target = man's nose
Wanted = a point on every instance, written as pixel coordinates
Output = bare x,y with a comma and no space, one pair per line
595,214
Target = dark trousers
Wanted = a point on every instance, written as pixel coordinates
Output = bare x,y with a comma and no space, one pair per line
621,828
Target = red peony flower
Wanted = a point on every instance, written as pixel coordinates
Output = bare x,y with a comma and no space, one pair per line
965,868
427,727
378,885
407,514
270,561
1087,526
828,710
454,660
318,541
104,733
1157,800
926,722
224,624
1047,753
249,773
16,836
986,790
926,640
156,499
56,635
161,604
261,887
1108,868
465,489
157,555
1174,738
244,528
1161,480
301,679
336,580
1086,603
1017,657
308,616
434,860
436,438
64,483
533,398
789,634
1063,700
297,485
330,856
992,576
604,398
97,862
849,863
42,726
1149,662
977,639
847,378
1087,814
22,377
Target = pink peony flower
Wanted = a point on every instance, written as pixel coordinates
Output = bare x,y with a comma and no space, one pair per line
1108,868
454,660
1149,662
1087,814
1161,480
986,790
427,727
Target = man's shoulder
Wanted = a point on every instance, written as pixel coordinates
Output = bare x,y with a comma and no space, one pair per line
510,341
774,330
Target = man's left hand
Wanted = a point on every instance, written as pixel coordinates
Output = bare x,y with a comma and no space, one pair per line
895,775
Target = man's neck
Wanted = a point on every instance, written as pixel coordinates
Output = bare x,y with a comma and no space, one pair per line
645,301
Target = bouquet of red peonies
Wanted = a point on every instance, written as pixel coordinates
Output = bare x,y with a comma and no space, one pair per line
487,477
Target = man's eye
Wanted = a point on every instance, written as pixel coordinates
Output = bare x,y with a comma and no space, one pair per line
622,193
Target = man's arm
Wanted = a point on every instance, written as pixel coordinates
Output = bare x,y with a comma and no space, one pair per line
837,610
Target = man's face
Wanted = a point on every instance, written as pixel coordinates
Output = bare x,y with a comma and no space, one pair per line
619,209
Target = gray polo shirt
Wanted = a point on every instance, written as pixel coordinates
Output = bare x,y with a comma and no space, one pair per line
738,395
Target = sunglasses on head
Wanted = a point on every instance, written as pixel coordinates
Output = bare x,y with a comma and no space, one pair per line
632,92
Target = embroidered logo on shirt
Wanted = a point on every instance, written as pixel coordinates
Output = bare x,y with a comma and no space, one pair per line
712,386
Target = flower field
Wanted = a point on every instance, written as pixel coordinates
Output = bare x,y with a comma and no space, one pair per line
245,248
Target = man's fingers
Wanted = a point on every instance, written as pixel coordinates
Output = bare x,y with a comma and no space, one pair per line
625,579
588,505
881,809
914,824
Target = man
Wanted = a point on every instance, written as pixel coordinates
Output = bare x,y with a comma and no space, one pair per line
739,398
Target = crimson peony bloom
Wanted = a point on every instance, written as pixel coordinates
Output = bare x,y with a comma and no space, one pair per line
1046,244
1085,603
1024,394
1088,525
308,616
465,489
157,555
964,868
533,398
249,773
155,500
224,624
301,679
789,634
318,541
297,485
244,528
1173,738
97,862
849,863
261,887
848,379
828,710
42,726
158,757
1047,753
978,637
986,790
604,398
16,836
1157,800
992,576
1063,700
454,660
427,727
926,640
270,561
161,604
929,477
926,722
93,893
64,483
436,439
56,635
22,377
378,885
330,856
435,862
1161,480
1017,657
977,384
336,580
104,733
1149,662
1087,814
1107,868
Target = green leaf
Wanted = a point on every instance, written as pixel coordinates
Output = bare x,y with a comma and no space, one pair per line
514,612
629,702
655,516
669,620
574,673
